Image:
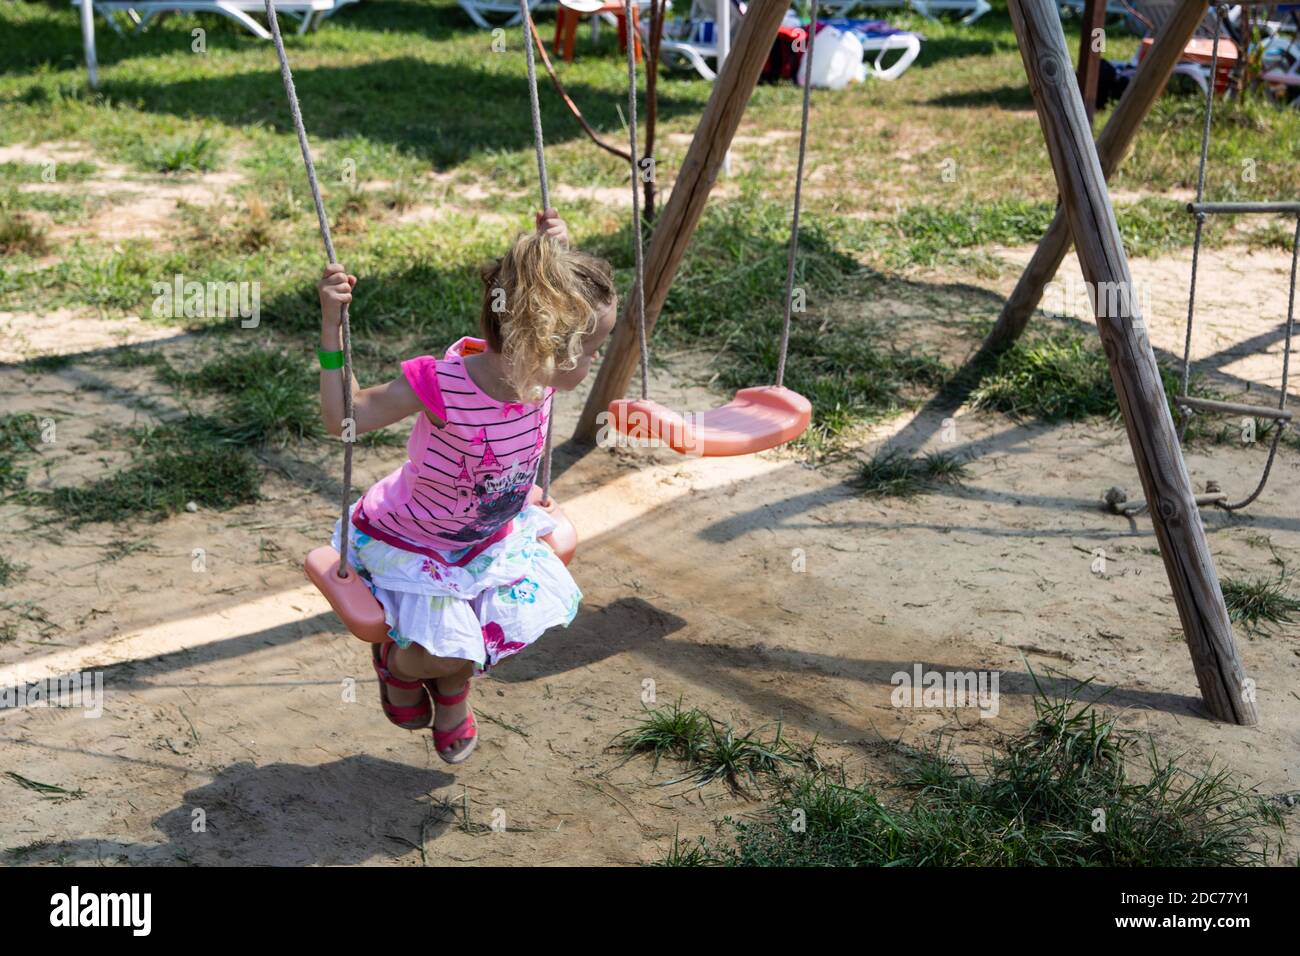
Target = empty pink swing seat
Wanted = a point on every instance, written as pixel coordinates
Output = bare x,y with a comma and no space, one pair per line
755,420
359,610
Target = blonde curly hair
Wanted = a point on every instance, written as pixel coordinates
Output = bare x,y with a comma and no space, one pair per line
539,300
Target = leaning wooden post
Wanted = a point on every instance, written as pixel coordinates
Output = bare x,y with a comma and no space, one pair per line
1089,70
1112,145
681,213
1177,521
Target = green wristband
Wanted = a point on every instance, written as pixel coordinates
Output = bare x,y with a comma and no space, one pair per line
329,360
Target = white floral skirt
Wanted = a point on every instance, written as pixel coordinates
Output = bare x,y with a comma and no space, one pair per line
494,606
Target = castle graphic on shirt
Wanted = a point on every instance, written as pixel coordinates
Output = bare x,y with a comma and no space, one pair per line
490,494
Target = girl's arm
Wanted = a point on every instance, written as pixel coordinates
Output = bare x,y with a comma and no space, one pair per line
373,407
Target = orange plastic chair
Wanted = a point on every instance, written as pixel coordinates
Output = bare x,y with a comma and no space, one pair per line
755,420
359,610
570,12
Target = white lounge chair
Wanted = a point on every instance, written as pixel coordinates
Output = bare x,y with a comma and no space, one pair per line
141,13
696,55
687,49
505,12
878,37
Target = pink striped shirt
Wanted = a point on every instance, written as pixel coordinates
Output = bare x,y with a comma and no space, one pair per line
461,485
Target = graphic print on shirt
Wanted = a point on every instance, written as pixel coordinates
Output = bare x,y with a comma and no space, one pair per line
490,494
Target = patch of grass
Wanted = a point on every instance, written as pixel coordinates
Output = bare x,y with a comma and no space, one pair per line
213,475
1058,377
932,234
711,749
255,226
120,278
929,233
237,369
666,732
120,548
891,474
400,196
49,791
944,466
60,207
10,571
20,234
684,854
14,172
1033,801
1260,604
1062,376
274,411
269,396
383,438
1273,235
126,356
51,362
186,154
19,434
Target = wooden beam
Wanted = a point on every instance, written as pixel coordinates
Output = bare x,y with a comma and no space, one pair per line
1094,19
681,213
1112,146
1087,207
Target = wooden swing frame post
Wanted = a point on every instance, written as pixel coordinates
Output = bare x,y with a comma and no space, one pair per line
1086,205
681,213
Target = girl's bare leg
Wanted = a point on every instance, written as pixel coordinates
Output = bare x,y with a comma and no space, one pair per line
451,673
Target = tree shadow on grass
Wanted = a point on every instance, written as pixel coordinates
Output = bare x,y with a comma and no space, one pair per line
444,113
1010,97
43,42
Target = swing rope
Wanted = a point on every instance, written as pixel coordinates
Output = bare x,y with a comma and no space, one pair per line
793,252
1281,423
296,112
798,200
639,286
539,145
568,100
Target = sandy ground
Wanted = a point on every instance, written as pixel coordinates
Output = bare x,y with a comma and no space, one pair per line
240,723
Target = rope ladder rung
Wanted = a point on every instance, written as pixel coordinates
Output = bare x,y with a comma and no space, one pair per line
1233,408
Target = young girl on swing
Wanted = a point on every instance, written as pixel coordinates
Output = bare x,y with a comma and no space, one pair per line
448,542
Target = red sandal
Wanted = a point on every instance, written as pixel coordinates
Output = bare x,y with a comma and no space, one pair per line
408,717
467,729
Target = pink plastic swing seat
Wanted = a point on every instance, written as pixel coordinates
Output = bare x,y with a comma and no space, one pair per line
359,610
755,420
